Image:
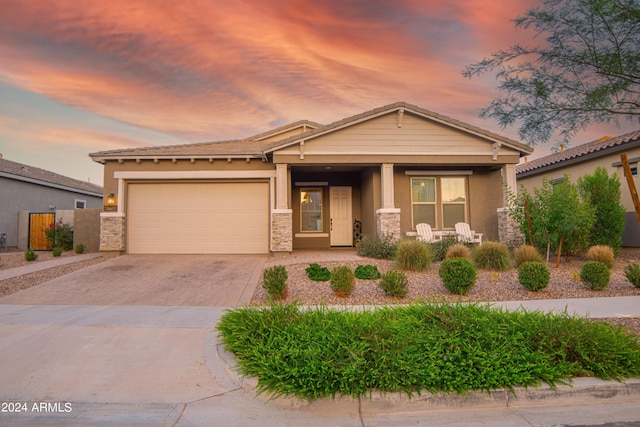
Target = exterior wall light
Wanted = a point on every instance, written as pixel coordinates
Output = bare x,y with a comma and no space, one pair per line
111,204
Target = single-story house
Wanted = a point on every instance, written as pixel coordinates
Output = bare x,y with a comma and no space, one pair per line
584,159
307,185
28,189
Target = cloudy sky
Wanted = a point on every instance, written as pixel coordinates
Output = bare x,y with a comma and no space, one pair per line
79,76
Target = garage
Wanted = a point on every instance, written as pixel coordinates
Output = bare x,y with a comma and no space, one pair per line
198,218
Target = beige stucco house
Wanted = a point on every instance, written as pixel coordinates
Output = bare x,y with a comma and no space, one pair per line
584,159
307,185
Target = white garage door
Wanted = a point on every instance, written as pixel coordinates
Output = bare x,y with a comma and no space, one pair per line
198,218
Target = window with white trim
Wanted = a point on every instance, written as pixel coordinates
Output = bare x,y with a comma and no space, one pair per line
311,209
80,204
440,201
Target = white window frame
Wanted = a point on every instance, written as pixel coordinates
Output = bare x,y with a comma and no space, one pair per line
439,204
321,210
84,204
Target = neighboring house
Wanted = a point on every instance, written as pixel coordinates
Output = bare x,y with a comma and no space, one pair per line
29,189
584,159
307,185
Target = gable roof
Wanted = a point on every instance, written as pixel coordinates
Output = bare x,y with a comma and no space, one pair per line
578,154
259,146
405,107
25,173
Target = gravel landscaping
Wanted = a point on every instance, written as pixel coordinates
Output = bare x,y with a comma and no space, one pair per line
490,286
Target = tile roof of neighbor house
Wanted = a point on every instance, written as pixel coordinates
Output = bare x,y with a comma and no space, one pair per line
580,153
255,146
21,172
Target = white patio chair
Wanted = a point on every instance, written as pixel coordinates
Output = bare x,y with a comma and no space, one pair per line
425,234
466,234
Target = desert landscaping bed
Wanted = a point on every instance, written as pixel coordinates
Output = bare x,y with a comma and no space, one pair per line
427,286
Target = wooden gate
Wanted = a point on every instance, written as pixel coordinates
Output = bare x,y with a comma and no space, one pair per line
38,223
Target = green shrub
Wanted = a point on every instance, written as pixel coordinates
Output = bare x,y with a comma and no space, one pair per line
318,273
603,192
394,283
632,273
80,248
367,272
526,253
534,275
274,280
312,353
459,250
492,256
595,275
60,235
458,275
342,280
382,247
440,248
30,255
603,254
413,255
57,251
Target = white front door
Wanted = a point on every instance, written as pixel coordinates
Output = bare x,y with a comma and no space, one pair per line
340,220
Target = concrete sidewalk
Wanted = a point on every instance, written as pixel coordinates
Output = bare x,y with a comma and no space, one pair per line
163,366
34,267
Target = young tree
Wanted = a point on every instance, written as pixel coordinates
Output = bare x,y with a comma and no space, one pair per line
588,71
559,217
603,191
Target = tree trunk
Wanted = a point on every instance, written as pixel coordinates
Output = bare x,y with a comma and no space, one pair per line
559,251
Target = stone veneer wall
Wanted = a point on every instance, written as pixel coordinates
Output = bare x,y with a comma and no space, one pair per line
508,232
282,231
112,232
388,222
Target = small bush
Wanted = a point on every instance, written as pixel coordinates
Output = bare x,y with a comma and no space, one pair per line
318,273
80,248
603,254
342,281
534,275
30,255
492,256
459,250
57,251
394,284
595,275
526,253
274,280
440,248
382,247
458,275
413,255
60,235
367,272
632,273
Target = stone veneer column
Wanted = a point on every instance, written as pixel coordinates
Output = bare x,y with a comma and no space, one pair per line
388,222
112,232
281,230
508,231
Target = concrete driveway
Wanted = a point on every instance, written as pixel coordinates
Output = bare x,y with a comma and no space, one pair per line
155,280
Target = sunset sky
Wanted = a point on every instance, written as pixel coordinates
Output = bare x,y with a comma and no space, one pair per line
83,76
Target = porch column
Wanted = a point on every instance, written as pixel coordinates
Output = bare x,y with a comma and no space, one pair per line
509,181
388,216
281,215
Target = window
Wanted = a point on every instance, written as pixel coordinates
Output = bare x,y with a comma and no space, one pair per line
454,201
423,201
81,204
440,202
311,209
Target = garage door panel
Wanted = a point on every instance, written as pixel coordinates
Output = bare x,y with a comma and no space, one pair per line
198,218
